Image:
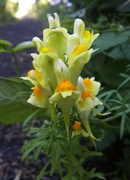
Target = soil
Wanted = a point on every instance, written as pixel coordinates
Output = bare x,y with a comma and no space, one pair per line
11,136
11,165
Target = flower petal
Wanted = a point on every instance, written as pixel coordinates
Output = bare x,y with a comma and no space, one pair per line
37,98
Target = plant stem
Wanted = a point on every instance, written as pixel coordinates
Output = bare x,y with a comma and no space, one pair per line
16,63
53,114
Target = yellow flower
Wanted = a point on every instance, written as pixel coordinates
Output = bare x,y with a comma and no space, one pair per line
87,101
88,38
56,40
85,36
36,78
44,63
78,49
53,68
37,98
81,48
77,129
57,67
65,88
92,85
89,89
77,126
65,96
79,57
72,43
38,43
55,37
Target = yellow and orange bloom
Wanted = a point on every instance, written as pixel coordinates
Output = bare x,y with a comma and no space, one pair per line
79,57
77,129
65,96
87,101
37,98
85,36
89,89
92,85
56,76
36,78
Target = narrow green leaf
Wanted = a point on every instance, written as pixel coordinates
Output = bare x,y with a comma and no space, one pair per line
44,171
24,45
5,42
92,174
31,145
5,46
123,83
31,116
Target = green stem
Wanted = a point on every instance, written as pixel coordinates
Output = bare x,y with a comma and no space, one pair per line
53,114
16,63
67,122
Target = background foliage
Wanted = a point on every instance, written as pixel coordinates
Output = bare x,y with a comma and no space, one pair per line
110,66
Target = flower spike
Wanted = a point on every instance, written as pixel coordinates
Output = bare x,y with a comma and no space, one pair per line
56,75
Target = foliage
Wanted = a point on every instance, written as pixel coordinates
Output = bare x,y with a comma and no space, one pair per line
7,10
63,158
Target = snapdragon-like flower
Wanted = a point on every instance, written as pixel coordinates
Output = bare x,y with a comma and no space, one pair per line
85,37
56,75
65,96
77,129
78,48
41,90
87,101
89,89
78,58
37,98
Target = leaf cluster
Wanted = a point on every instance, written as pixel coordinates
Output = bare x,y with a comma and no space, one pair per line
68,159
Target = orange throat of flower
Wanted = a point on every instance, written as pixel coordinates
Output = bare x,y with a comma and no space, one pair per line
65,86
86,94
38,93
87,82
77,126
